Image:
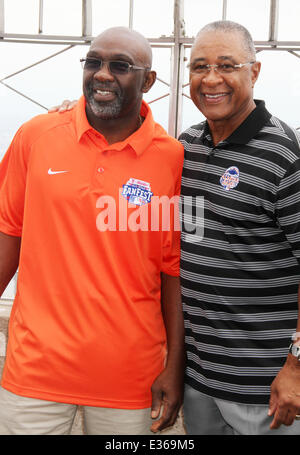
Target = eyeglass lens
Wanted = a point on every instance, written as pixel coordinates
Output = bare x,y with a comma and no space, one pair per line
115,67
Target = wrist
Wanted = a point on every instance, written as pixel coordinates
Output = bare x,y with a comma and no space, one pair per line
292,363
293,358
296,338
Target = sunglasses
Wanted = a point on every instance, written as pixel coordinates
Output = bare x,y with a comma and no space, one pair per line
114,66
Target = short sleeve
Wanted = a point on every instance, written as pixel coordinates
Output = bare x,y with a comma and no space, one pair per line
288,206
171,245
13,171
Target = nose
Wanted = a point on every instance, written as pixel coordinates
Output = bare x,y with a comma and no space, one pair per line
212,77
103,73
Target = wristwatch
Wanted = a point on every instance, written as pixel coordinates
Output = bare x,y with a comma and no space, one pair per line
295,350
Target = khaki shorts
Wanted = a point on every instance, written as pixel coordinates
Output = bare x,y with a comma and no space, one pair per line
29,416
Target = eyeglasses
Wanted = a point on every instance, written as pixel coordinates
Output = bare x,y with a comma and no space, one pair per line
115,66
224,68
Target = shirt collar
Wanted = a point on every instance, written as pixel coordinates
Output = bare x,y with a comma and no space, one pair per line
251,125
248,128
139,141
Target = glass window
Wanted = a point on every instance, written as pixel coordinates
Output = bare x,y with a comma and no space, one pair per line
153,18
280,88
62,17
198,13
108,14
288,20
17,19
254,15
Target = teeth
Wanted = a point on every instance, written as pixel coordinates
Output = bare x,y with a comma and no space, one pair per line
215,96
103,92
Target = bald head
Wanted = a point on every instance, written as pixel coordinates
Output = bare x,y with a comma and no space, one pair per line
132,41
114,91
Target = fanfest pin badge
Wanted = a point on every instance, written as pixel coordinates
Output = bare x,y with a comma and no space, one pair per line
230,178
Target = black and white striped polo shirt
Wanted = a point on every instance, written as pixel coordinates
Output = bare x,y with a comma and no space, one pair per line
240,274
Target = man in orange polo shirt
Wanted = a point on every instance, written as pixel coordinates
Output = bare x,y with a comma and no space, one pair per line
98,296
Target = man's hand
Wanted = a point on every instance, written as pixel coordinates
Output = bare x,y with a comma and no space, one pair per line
66,105
285,394
167,397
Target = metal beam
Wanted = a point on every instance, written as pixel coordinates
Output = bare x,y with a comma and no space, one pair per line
163,41
36,63
130,22
224,10
23,95
41,16
177,67
2,22
273,25
294,53
87,18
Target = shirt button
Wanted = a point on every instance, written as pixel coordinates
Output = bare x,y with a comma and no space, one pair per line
100,170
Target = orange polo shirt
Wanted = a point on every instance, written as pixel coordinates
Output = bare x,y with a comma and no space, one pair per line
86,324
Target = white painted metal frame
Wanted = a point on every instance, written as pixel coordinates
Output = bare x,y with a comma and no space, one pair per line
177,43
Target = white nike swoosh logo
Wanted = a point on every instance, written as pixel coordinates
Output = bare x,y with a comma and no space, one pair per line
50,172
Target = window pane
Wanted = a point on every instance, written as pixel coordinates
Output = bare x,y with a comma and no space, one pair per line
190,114
254,15
161,89
198,13
48,83
17,19
111,13
154,18
278,87
288,23
62,17
160,112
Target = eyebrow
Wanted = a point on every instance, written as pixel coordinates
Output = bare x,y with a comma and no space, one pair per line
124,57
221,57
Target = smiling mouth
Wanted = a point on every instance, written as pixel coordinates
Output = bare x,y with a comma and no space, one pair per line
104,92
104,95
214,98
215,95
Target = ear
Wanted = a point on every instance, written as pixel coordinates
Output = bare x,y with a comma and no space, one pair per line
255,70
150,78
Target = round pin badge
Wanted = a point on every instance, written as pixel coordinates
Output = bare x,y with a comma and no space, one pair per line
230,178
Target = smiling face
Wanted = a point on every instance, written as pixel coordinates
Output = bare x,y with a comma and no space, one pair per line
111,96
223,98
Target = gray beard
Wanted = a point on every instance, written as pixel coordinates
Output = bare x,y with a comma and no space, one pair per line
108,110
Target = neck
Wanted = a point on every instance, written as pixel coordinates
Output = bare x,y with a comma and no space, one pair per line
116,129
223,128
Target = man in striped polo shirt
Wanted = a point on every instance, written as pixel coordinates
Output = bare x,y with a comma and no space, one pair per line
240,273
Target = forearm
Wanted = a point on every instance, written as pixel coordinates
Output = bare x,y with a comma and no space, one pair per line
173,319
9,258
297,333
285,389
292,361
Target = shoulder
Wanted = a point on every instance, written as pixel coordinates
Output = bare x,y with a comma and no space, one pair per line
42,124
167,144
191,133
277,131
